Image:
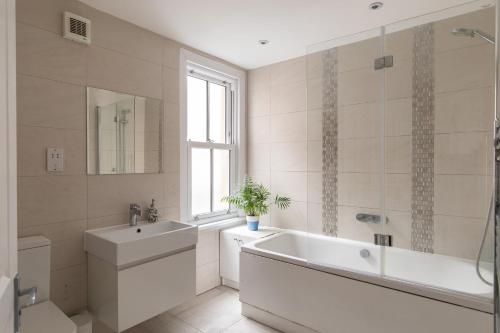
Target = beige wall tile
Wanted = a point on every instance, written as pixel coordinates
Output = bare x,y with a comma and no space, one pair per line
359,86
51,199
314,156
465,110
399,44
359,155
171,52
314,218
463,153
173,213
171,158
67,253
107,221
288,97
259,78
472,201
56,232
289,156
172,189
398,115
289,127
294,217
259,156
32,150
398,192
358,55
314,63
314,187
288,71
48,103
314,94
115,71
314,125
171,122
261,176
457,236
68,289
110,195
44,54
171,84
258,130
289,184
258,102
359,190
399,226
115,34
398,82
453,70
398,152
359,121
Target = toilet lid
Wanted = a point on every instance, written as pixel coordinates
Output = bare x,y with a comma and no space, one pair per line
45,317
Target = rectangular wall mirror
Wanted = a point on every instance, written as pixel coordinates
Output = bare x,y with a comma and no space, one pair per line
123,133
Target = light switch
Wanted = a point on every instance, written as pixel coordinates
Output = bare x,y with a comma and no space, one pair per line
55,159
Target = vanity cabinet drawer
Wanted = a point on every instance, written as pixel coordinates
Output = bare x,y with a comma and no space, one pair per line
142,291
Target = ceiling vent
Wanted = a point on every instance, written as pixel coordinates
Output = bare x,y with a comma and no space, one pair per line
76,28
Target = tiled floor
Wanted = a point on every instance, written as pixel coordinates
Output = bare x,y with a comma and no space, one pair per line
217,310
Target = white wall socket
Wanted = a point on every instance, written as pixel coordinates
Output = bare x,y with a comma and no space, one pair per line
55,159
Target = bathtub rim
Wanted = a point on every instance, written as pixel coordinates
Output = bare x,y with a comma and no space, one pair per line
474,302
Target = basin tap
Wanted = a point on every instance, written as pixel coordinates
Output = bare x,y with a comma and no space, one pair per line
133,213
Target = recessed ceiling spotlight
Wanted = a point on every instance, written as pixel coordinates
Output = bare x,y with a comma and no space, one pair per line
263,42
376,5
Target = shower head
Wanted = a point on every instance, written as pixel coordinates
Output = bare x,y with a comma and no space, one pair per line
473,33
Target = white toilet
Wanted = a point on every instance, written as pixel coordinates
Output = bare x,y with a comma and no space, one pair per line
34,270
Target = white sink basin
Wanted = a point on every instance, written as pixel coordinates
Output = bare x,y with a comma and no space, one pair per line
124,244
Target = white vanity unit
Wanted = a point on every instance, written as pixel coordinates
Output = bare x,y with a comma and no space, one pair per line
138,272
231,241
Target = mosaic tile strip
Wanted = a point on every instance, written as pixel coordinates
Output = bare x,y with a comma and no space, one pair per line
330,143
422,196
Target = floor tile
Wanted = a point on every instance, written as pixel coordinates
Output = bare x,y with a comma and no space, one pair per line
215,311
246,325
215,314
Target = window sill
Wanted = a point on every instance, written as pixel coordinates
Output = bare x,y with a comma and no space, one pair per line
222,224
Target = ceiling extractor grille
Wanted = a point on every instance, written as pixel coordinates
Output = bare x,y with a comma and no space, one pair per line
76,28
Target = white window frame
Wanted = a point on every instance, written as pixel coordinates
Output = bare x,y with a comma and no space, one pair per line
202,67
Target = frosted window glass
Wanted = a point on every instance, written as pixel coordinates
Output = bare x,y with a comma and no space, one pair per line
200,178
196,109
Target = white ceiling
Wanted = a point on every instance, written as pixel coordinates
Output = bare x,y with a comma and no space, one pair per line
230,29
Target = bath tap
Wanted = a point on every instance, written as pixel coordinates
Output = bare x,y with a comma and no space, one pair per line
133,213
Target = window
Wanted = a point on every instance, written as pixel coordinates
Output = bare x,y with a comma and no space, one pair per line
211,139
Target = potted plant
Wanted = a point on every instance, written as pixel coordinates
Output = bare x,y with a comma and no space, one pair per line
253,199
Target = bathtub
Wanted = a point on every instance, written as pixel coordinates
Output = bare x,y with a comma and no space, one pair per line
300,282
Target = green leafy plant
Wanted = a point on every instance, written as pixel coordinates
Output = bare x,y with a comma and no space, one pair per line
253,198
